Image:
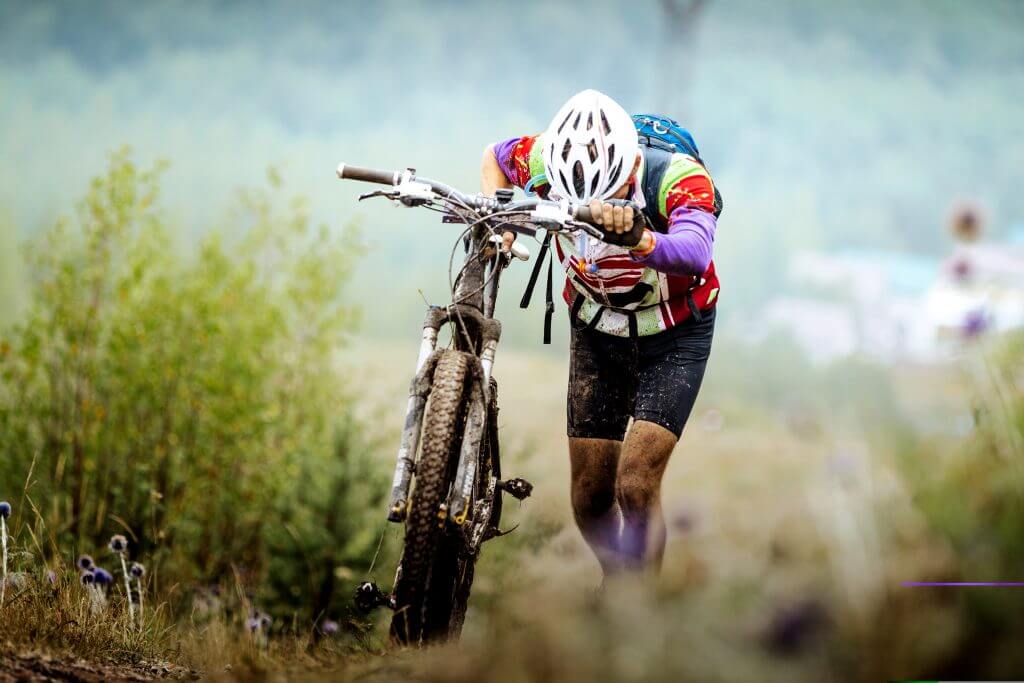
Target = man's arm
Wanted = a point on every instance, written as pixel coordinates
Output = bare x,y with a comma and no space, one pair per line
686,199
686,248
492,177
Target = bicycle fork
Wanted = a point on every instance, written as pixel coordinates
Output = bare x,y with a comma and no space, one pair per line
419,389
459,505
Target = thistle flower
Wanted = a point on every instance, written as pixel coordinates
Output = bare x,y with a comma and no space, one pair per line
5,512
252,624
118,544
51,577
792,628
975,323
85,563
94,580
329,627
138,571
265,621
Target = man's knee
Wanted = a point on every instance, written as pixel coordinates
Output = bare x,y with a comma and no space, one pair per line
592,497
644,458
594,464
635,490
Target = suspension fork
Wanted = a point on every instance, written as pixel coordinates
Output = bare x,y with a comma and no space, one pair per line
462,493
419,389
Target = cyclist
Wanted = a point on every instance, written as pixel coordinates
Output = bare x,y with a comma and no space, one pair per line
642,315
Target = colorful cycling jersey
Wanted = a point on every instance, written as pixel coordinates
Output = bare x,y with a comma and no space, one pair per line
606,284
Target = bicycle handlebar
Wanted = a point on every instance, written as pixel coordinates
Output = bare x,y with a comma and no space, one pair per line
580,212
368,175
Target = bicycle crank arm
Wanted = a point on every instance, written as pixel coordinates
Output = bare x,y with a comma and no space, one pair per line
369,597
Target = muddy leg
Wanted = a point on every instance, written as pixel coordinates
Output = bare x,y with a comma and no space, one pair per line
594,464
645,455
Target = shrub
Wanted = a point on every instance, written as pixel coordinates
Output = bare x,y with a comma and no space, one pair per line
192,401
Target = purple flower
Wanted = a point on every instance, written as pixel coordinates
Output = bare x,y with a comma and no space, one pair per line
265,620
5,509
118,543
329,627
793,627
87,578
961,269
975,323
51,577
85,563
137,570
103,577
253,624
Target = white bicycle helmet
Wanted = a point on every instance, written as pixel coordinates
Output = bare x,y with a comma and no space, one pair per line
589,147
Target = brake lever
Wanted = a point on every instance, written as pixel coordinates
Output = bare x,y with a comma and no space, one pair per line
390,194
585,227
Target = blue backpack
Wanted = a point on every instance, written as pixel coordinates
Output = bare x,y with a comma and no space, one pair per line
660,137
665,133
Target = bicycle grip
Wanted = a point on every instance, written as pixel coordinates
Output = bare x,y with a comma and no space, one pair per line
367,175
583,213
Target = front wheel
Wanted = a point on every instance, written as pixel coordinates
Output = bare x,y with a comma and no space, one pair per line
441,440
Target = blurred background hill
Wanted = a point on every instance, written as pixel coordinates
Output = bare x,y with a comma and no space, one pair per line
827,126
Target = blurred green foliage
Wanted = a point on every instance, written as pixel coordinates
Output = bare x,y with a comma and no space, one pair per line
194,400
971,491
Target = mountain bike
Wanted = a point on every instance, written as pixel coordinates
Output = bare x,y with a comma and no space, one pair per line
447,487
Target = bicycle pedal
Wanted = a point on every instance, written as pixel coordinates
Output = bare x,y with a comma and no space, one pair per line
369,597
518,488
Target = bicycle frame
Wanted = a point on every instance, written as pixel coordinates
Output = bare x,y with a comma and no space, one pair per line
476,492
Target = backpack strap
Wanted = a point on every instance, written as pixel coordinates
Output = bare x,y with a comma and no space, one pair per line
549,307
577,304
656,162
535,273
549,303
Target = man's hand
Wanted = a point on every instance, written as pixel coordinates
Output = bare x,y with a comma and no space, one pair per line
617,219
507,238
617,222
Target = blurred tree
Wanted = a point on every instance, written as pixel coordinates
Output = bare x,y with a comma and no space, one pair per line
677,54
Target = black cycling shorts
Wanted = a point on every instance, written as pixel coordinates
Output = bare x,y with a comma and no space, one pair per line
654,378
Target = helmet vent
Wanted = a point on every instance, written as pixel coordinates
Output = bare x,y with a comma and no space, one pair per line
576,123
566,148
565,121
604,123
578,182
613,177
590,120
592,150
593,186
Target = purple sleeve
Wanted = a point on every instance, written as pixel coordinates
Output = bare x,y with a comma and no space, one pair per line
686,248
503,154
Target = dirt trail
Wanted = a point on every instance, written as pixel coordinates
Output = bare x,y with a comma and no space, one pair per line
37,666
